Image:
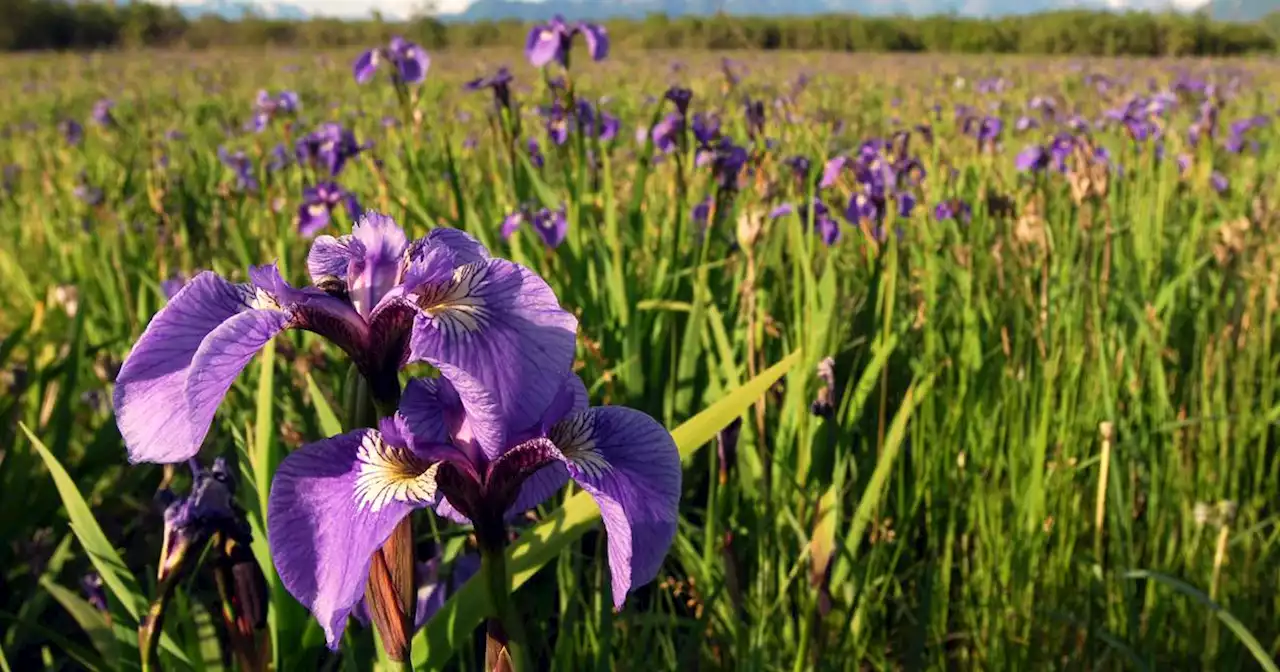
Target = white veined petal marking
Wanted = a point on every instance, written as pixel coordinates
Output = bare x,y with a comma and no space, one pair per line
263,301
390,473
455,307
576,439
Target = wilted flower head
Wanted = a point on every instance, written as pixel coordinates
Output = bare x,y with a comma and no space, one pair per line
317,207
551,41
409,62
190,521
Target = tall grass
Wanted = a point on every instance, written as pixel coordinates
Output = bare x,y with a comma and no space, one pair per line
1053,442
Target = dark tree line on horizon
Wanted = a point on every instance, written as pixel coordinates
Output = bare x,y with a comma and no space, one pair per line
61,25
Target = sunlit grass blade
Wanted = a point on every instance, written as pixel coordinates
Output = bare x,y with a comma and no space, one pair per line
115,575
1264,660
451,627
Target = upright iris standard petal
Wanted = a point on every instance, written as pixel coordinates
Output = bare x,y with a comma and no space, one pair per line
410,59
629,464
371,275
149,399
502,324
545,43
333,503
597,40
366,65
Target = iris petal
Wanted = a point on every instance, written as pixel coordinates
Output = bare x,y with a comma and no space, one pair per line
597,40
322,540
150,405
629,464
222,356
365,66
501,324
543,46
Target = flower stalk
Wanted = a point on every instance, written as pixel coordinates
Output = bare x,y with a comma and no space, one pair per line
504,635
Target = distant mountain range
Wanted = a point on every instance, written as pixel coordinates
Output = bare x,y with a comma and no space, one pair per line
1242,10
598,10
230,10
483,10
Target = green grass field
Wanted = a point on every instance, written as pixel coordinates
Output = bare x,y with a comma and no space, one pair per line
1051,436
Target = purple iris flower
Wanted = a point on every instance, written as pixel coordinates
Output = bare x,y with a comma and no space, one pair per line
331,145
667,132
800,167
101,113
1032,159
474,456
551,41
71,131
824,225
317,207
1219,182
279,158
988,131
680,97
557,123
535,154
551,225
706,129
499,83
727,164
267,107
1025,123
382,299
409,62
596,123
239,163
863,207
832,170
956,209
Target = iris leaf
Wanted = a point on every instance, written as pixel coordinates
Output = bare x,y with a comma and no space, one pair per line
451,627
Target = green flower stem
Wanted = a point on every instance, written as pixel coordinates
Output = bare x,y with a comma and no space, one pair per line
505,629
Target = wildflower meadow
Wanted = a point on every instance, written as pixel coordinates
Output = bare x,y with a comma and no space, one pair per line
564,355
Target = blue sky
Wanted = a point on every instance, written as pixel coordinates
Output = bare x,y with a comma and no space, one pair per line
348,8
